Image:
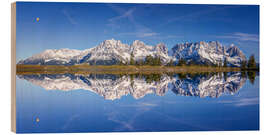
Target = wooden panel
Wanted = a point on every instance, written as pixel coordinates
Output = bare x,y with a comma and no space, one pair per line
13,67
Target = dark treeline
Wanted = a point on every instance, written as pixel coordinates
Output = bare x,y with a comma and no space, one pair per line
149,60
250,64
149,78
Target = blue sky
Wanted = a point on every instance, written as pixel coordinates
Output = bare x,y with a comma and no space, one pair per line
85,25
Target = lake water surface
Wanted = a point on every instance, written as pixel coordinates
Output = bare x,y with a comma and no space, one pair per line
116,103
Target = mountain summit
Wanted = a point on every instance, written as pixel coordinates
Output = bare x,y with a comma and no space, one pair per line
113,51
113,87
208,53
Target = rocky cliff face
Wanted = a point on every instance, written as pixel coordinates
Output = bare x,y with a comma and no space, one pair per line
208,53
107,53
114,51
114,87
209,86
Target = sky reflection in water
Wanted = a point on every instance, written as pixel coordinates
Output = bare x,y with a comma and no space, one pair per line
105,103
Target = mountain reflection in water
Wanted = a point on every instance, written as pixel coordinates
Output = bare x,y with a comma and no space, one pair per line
113,87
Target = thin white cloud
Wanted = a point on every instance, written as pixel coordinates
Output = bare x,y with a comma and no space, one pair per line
192,15
174,36
127,14
140,30
150,35
242,101
123,14
148,104
241,36
247,101
127,124
247,37
141,104
69,17
139,34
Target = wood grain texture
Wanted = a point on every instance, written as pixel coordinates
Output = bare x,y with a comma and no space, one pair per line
13,67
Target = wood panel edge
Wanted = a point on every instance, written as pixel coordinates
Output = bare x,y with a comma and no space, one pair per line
13,67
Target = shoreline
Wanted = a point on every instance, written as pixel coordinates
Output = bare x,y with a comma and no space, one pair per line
121,69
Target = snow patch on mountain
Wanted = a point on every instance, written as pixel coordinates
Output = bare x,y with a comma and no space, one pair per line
114,51
113,87
208,53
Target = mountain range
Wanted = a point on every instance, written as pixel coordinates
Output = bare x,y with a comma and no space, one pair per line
112,51
113,87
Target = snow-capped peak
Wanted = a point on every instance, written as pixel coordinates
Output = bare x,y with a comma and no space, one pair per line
114,87
208,53
114,51
138,43
110,43
161,47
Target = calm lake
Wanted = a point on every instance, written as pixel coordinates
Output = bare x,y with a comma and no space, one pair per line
124,103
